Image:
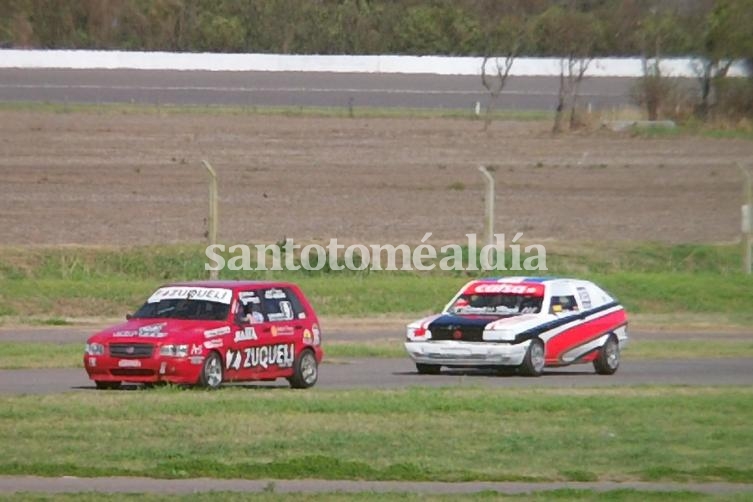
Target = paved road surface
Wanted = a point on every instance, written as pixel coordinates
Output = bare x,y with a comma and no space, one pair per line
10,484
378,373
294,89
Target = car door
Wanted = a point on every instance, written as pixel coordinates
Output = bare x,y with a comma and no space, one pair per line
285,329
242,358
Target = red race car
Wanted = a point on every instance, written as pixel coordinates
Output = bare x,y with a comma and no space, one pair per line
207,333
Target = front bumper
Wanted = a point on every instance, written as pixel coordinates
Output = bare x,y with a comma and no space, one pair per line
176,370
454,353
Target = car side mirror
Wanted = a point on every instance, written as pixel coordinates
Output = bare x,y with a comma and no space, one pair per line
129,316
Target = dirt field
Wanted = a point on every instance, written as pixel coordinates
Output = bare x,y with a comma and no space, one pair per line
86,178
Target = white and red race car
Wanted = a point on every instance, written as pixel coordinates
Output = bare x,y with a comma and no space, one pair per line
522,322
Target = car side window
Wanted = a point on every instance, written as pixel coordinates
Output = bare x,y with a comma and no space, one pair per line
563,304
585,298
250,308
298,311
277,305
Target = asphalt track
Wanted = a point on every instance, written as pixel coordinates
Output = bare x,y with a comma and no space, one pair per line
385,373
293,89
70,484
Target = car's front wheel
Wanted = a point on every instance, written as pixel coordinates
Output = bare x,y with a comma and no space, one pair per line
608,359
305,371
428,369
533,362
107,385
211,372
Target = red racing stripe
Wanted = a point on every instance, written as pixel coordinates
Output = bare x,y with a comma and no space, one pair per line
583,333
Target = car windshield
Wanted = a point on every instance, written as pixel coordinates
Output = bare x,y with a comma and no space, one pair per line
197,310
496,304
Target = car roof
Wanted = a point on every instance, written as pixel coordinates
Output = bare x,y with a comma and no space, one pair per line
229,284
533,280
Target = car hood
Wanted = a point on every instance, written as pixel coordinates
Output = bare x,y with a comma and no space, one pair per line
162,330
512,323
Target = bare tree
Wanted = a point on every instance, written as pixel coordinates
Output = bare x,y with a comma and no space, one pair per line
725,36
504,44
495,84
573,36
655,32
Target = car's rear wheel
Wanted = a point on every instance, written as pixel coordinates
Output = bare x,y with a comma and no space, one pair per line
428,369
608,359
305,371
211,372
107,385
534,360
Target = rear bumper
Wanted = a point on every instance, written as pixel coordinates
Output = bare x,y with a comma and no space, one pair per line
453,353
183,370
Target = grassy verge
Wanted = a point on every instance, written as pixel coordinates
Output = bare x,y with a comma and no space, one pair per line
285,111
37,355
564,495
70,282
716,131
644,433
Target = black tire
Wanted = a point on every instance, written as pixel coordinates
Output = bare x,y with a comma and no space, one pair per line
534,360
428,369
608,360
107,385
305,370
211,372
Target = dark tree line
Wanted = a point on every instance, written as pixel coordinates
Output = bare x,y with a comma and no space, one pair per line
449,27
713,31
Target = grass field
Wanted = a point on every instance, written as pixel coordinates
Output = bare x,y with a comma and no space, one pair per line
51,284
296,111
640,433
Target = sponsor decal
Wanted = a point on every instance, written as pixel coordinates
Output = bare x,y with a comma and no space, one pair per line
126,332
196,359
280,355
152,331
317,334
275,294
285,314
219,295
196,350
217,332
213,344
248,297
92,361
506,288
283,331
129,363
162,368
308,337
585,298
248,333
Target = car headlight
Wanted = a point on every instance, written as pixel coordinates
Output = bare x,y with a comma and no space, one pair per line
174,350
421,333
94,349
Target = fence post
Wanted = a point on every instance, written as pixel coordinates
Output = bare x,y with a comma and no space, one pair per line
489,199
213,216
747,219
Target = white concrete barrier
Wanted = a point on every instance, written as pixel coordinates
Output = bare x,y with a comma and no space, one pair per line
437,65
